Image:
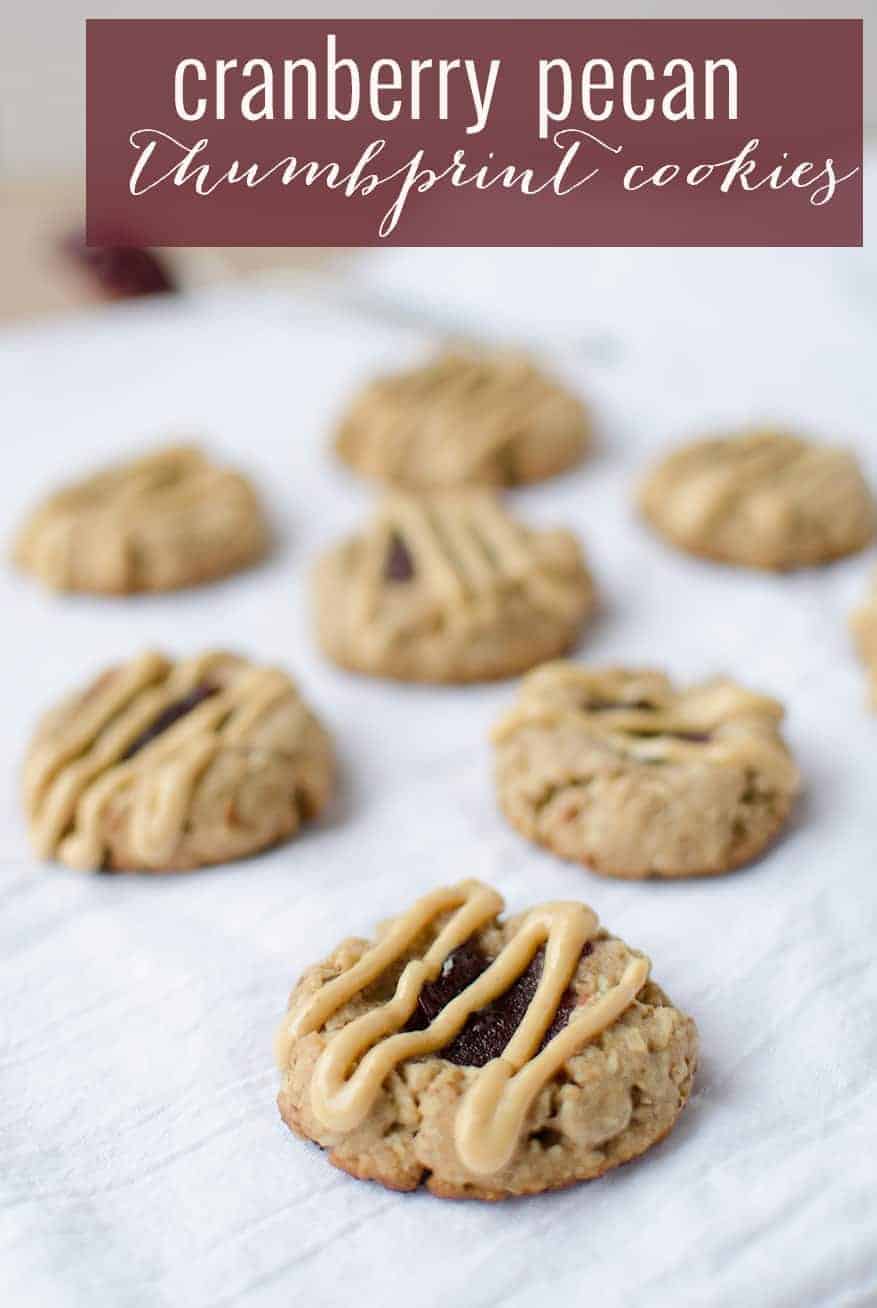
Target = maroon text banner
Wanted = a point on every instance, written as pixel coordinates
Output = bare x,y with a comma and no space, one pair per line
518,132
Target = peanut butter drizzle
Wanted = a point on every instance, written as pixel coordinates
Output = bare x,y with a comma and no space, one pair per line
740,725
491,1116
71,778
713,476
469,552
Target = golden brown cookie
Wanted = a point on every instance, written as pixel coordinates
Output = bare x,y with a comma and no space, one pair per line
449,588
864,626
762,499
482,1056
464,418
167,520
163,766
621,771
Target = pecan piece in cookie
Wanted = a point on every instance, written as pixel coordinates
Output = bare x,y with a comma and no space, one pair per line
449,588
621,771
464,419
162,766
168,520
482,1056
763,499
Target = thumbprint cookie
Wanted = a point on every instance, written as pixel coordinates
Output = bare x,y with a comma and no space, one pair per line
761,499
620,770
464,419
449,588
483,1056
168,520
164,766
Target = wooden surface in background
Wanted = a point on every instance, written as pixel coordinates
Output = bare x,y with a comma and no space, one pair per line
37,277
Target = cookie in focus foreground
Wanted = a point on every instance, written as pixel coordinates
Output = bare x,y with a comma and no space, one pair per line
619,770
464,419
761,499
163,766
483,1057
167,520
449,588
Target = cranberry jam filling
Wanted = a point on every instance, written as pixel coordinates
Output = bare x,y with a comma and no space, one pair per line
695,737
178,709
488,1031
607,706
398,565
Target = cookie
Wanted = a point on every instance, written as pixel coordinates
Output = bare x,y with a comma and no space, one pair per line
864,626
449,588
483,1057
621,771
168,520
163,766
476,418
762,499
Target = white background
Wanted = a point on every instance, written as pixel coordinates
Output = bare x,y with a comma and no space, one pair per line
142,1162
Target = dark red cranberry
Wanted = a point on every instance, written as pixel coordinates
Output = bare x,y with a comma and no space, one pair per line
122,271
488,1031
398,565
178,709
606,706
459,970
654,733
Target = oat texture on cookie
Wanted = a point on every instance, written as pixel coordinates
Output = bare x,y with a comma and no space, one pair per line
163,765
620,770
170,519
467,417
763,499
449,587
481,1056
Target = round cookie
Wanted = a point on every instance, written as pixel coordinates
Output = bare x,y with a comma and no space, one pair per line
449,588
864,627
762,499
163,766
168,520
473,418
619,770
483,1057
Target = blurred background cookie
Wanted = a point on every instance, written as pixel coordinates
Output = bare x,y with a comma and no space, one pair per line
763,499
864,626
170,519
467,417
